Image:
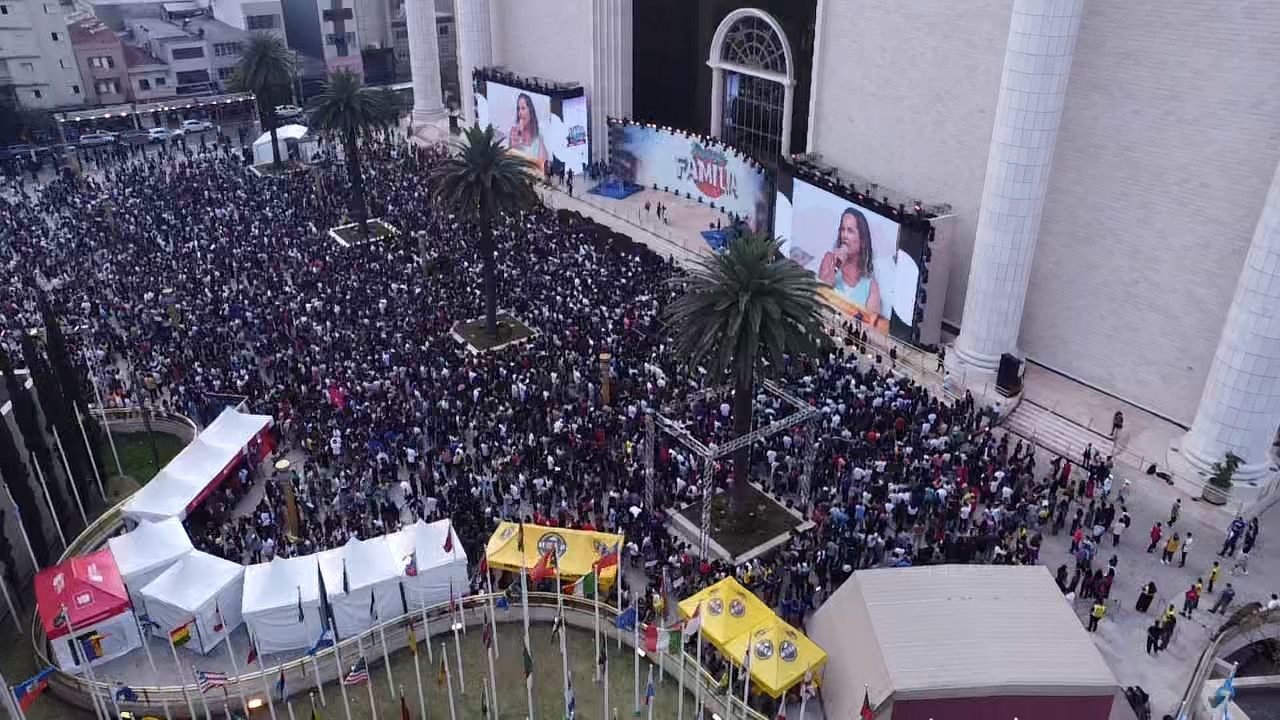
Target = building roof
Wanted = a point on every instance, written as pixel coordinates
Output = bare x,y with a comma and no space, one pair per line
953,631
136,57
89,30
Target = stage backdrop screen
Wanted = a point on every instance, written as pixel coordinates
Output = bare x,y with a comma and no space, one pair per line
850,248
540,127
650,156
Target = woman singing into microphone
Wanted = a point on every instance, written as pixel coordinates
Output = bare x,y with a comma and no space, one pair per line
525,136
848,267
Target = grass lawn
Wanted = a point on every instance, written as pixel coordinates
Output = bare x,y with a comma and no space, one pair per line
136,457
350,234
765,519
510,330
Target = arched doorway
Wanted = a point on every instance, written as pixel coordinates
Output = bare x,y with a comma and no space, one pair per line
752,84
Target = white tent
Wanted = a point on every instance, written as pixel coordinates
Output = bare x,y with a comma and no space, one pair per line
202,587
297,133
423,545
147,551
196,470
282,603
372,591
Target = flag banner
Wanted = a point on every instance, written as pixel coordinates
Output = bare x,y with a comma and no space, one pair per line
585,587
147,623
217,617
648,691
442,675
656,640
866,713
503,604
281,685
404,708
181,635
324,641
448,538
208,679
627,619
544,569
359,673
91,646
126,694
486,636
603,660
252,657
694,622
413,639
346,582
28,690
411,567
527,660
484,565
373,607
301,616
608,559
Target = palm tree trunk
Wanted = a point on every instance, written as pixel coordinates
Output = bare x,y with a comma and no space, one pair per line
275,148
488,249
742,405
356,177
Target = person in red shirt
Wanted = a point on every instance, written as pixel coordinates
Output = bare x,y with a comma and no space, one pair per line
1155,538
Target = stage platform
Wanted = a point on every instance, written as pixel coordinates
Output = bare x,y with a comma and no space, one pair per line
680,235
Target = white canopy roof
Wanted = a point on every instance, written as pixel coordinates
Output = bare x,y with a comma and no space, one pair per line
193,470
436,569
146,552
200,586
369,562
285,132
274,593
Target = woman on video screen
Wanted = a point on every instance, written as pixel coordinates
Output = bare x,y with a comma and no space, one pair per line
848,267
525,136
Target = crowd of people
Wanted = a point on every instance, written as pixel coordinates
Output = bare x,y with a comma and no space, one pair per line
190,279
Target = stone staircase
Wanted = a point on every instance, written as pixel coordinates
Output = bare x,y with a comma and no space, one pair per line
1054,432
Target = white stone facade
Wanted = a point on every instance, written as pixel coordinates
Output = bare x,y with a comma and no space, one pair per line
475,49
36,56
424,59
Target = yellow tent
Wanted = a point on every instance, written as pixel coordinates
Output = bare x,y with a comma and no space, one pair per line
577,550
780,656
728,610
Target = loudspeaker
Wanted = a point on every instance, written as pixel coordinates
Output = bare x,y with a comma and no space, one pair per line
1009,377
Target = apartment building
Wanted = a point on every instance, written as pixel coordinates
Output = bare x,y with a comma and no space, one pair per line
200,52
37,63
101,61
251,15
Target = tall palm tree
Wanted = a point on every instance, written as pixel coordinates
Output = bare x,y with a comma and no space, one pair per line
349,109
266,70
739,306
481,180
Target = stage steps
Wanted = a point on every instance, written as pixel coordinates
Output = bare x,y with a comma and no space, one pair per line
1054,432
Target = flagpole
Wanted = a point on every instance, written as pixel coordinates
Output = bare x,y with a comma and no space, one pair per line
528,680
368,685
8,601
53,512
426,635
342,677
635,627
417,673
106,424
680,657
651,701
596,635
493,675
89,451
605,671
71,480
746,676
146,647
204,701
182,673
697,705
804,700
262,674
17,512
88,666
524,598
11,701
236,667
315,670
457,648
386,660
564,653
448,679
617,580
289,705
493,612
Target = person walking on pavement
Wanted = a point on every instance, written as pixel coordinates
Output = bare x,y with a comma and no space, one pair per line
1153,639
1099,609
1170,623
1233,536
1155,538
1186,548
1170,547
1242,565
1189,600
1220,607
1116,529
1213,574
1175,511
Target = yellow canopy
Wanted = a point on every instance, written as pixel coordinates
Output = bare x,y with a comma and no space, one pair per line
577,550
780,656
728,610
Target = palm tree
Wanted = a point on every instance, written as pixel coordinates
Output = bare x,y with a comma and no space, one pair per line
481,180
266,70
740,305
349,109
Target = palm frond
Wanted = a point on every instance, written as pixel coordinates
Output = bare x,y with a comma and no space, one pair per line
482,175
347,107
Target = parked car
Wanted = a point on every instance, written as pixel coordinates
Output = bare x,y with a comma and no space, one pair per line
193,126
288,112
159,134
11,152
97,138
133,137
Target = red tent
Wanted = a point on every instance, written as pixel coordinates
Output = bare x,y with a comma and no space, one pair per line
89,586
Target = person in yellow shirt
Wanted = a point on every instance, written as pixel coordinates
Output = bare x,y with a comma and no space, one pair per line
1171,548
1099,609
1213,574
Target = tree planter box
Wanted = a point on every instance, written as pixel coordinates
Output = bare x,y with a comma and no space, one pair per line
511,331
348,235
1215,495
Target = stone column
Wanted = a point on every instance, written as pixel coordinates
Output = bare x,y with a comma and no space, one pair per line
475,49
717,100
424,61
1037,61
1240,407
611,83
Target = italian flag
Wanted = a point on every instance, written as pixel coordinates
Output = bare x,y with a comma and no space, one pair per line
656,640
694,623
585,587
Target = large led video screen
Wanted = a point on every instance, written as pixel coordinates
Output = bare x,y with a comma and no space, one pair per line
650,156
853,250
550,131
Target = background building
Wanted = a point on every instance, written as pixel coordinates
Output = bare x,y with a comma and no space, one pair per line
100,57
37,64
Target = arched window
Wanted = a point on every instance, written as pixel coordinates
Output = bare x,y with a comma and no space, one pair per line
753,84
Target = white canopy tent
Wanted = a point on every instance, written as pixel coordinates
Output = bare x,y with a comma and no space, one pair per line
197,469
284,134
282,603
142,555
423,545
372,592
202,587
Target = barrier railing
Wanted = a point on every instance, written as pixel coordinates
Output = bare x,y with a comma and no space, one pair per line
579,612
1187,707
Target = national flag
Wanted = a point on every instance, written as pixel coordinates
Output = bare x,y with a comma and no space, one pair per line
302,617
253,654
520,539
28,690
359,673
585,587
570,702
324,641
503,604
627,619
217,617
126,694
453,605
404,707
346,582
557,626
147,623
181,635
544,568
527,660
648,691
208,679
448,538
413,639
608,559
442,676
866,713
281,685
484,565
486,636
782,709
411,567
693,623
656,640
373,607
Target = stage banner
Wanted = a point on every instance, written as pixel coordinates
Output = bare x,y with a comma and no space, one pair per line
548,130
682,163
